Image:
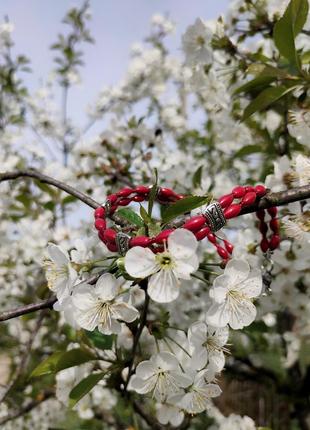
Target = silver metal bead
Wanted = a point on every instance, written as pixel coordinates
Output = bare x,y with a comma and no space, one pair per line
107,205
215,216
122,242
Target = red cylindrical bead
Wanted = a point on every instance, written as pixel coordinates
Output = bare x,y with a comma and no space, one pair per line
111,247
166,194
159,249
100,224
113,209
124,202
141,189
101,236
248,199
109,235
263,227
226,200
195,223
99,212
163,235
143,241
260,190
125,192
211,238
249,189
274,225
202,233
232,211
260,214
264,244
222,252
272,211
274,242
238,192
112,198
229,247
138,198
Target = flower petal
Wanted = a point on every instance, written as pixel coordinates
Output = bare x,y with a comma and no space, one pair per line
241,315
106,287
237,270
140,262
163,287
57,254
184,268
145,369
252,286
125,312
197,334
218,315
165,361
182,243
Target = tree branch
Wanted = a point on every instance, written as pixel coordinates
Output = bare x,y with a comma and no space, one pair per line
44,304
34,174
280,198
27,408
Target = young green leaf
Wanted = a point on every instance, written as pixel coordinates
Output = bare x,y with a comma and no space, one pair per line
130,216
197,177
84,387
184,205
265,99
247,150
144,215
288,27
62,360
100,340
255,84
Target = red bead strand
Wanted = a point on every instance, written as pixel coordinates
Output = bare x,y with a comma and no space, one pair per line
231,204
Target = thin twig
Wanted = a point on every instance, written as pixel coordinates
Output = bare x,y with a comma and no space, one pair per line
44,304
32,173
27,408
143,318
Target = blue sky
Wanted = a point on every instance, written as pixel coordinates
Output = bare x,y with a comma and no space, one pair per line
115,25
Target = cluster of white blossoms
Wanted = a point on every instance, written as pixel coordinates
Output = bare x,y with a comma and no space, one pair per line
181,375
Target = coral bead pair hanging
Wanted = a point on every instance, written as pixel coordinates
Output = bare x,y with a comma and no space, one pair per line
212,218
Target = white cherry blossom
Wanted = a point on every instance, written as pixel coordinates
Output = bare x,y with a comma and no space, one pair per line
161,375
198,396
166,268
101,306
59,272
197,43
207,345
232,294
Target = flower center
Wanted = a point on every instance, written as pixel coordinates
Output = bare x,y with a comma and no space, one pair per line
200,41
165,260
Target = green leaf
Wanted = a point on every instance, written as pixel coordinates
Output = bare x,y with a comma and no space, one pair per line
83,387
184,205
100,340
265,99
144,215
197,177
248,150
130,216
153,193
62,360
288,27
254,84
